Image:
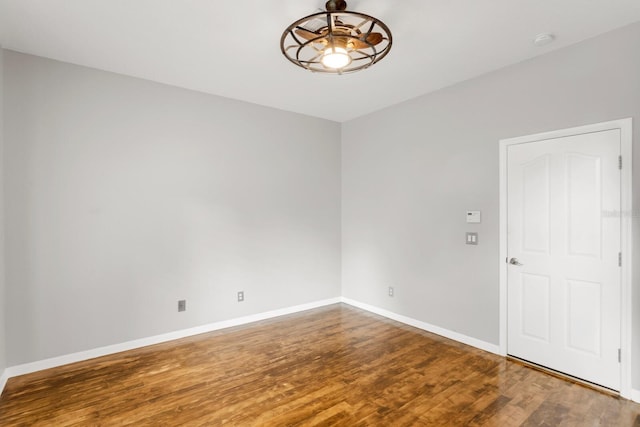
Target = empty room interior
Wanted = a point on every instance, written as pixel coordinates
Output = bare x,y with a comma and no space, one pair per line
362,213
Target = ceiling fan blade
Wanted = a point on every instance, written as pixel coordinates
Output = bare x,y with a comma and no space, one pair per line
306,34
359,44
363,43
374,38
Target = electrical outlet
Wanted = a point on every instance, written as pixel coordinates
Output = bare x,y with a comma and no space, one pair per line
240,296
182,305
390,291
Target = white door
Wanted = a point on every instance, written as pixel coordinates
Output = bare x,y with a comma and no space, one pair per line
563,241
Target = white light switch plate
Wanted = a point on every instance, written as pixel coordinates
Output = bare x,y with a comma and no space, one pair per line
471,238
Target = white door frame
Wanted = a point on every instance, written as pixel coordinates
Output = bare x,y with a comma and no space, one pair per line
625,127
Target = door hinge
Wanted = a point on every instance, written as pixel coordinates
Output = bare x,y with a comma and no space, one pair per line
619,162
619,355
619,259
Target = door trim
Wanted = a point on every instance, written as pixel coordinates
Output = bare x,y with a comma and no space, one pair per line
625,127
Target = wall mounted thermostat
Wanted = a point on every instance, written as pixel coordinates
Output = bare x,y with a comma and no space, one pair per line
473,217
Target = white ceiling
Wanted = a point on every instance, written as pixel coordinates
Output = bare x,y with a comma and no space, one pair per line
231,48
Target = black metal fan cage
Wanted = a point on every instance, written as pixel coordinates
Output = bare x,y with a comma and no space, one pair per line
349,28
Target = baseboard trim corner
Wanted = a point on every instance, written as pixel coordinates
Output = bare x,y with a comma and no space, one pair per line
3,380
27,368
456,336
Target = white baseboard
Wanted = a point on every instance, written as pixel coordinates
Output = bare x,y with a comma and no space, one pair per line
635,395
3,380
474,342
53,362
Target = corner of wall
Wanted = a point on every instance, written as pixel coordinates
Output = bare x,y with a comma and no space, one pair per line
4,376
3,373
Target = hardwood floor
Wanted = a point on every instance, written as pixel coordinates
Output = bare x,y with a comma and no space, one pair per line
335,365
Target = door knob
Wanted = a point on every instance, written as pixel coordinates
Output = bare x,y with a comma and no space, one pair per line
514,261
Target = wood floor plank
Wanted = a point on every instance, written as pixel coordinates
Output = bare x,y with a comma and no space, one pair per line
335,365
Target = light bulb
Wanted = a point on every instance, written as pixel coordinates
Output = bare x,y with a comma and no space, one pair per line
335,57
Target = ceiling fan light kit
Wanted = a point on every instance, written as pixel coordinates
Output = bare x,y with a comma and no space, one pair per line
336,41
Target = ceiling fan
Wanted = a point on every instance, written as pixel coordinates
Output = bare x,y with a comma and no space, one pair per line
336,40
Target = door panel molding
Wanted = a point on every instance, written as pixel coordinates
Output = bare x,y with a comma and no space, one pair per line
625,128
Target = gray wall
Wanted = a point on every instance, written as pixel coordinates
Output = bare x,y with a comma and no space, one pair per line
411,171
3,363
123,196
